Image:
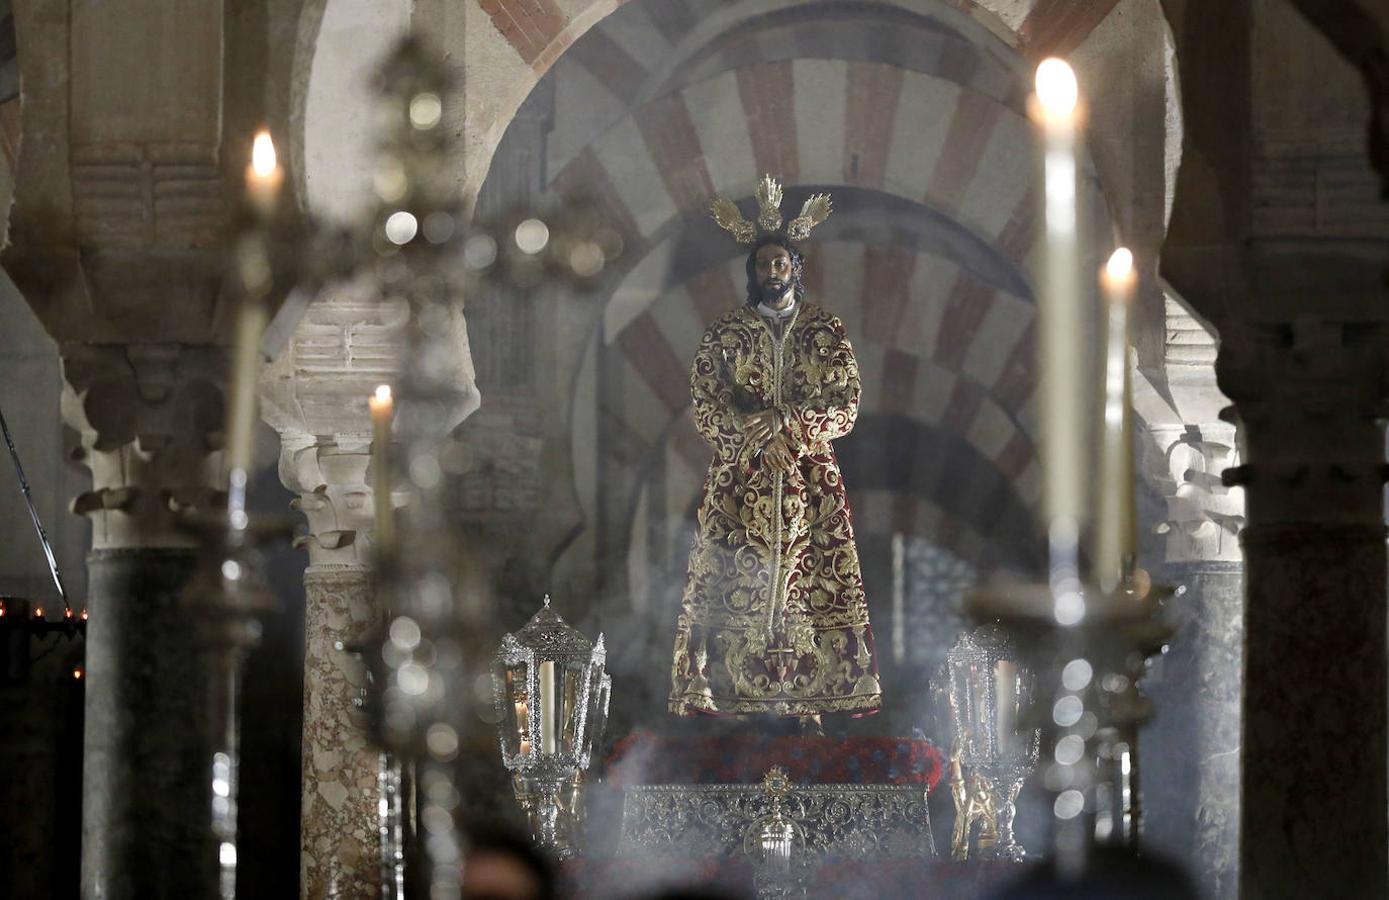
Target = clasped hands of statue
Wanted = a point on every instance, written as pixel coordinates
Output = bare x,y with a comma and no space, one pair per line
763,434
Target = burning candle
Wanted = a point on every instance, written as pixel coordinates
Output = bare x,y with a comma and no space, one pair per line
1115,519
381,411
547,706
264,177
523,725
1060,309
263,180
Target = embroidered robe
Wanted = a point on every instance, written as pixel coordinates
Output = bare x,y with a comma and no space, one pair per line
773,618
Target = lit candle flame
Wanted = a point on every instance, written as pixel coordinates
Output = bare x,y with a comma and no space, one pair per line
381,408
1057,89
1120,265
263,160
77,674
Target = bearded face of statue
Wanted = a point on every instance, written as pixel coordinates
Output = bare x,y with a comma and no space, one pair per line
774,276
774,273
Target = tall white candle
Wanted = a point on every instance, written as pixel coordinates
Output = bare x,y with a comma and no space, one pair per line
263,180
1115,519
381,410
241,414
1060,308
1006,703
548,706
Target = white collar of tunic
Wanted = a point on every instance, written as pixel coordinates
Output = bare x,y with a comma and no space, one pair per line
769,313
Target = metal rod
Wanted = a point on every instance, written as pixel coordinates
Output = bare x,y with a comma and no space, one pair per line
34,514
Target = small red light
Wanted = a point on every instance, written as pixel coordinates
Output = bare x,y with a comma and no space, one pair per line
84,615
67,613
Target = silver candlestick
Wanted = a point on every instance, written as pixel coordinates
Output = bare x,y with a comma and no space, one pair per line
552,692
989,690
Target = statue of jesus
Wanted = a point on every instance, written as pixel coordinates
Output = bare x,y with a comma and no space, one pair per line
773,619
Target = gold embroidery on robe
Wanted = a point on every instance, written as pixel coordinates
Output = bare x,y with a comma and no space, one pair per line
774,618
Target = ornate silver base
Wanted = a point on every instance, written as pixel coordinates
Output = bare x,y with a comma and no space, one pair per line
692,820
553,803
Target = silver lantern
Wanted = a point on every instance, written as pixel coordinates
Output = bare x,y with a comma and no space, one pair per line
552,691
989,690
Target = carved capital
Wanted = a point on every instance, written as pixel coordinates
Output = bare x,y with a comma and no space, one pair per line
315,395
1188,448
331,479
1203,515
150,417
1307,395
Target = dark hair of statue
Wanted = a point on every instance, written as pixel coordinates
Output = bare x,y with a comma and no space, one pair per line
797,267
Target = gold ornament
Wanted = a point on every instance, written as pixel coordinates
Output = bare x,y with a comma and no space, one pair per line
769,219
769,203
726,213
815,210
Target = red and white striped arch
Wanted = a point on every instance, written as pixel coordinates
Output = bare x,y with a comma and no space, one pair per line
926,140
511,43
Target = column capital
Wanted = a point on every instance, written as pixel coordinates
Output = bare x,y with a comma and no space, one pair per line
1188,447
315,395
150,418
1308,396
1204,516
331,478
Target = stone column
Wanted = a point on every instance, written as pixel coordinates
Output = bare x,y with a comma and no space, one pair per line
1314,783
1191,749
128,176
147,415
315,395
1191,758
339,820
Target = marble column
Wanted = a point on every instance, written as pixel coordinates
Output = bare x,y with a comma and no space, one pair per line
1191,748
1314,782
315,395
148,417
340,844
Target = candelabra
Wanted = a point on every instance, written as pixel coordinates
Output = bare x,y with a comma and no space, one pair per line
229,599
778,877
551,691
1087,703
